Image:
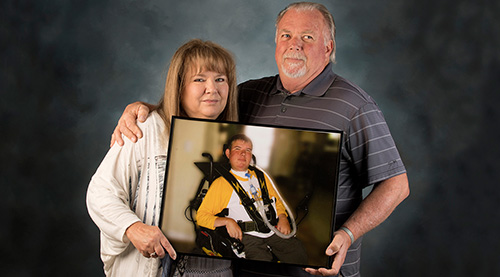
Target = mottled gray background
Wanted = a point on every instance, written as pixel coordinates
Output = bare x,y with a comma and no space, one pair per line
68,69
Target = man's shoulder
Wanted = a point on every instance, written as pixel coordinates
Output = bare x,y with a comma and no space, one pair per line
219,181
340,81
347,89
220,185
262,84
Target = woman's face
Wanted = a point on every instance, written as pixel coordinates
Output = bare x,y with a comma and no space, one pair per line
205,94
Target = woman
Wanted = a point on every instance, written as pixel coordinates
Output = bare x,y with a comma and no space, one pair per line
124,195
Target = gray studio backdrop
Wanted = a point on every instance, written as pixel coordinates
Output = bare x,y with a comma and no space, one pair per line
70,67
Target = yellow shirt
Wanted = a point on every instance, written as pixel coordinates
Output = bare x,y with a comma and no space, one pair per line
221,195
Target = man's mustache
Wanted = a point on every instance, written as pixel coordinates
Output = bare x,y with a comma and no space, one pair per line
294,55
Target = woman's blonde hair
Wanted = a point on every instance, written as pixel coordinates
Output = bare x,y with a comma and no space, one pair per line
197,55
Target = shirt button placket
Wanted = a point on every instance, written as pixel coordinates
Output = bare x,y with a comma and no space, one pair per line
283,108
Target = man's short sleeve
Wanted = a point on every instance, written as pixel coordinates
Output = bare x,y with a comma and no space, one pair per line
372,148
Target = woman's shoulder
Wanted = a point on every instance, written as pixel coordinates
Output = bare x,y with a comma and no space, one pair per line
154,132
153,122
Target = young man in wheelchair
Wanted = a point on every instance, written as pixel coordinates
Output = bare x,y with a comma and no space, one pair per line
244,201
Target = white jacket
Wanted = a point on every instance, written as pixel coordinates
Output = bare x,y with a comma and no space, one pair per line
127,188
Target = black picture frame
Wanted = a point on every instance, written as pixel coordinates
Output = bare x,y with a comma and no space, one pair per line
302,163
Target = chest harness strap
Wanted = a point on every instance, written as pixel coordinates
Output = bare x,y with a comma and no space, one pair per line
248,203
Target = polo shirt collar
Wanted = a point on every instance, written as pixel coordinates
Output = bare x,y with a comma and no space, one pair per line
317,87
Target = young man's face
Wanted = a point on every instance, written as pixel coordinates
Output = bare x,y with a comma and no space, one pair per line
240,155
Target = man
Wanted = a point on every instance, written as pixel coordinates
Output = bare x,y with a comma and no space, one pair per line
240,185
306,93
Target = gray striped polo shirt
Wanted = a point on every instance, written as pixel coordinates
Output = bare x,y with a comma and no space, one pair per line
330,102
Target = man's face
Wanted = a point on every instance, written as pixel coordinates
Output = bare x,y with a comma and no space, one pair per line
301,53
240,155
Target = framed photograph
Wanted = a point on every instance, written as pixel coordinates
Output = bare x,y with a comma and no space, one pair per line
287,217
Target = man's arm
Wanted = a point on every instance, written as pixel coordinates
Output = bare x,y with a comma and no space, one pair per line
283,225
127,124
373,210
280,208
216,199
232,227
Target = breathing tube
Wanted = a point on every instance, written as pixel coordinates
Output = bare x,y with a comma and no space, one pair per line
262,209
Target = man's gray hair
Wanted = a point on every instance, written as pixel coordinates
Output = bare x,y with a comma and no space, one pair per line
327,16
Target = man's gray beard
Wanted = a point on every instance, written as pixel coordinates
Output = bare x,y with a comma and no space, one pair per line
296,73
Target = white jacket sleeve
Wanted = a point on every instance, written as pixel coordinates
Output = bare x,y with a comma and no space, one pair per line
109,195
